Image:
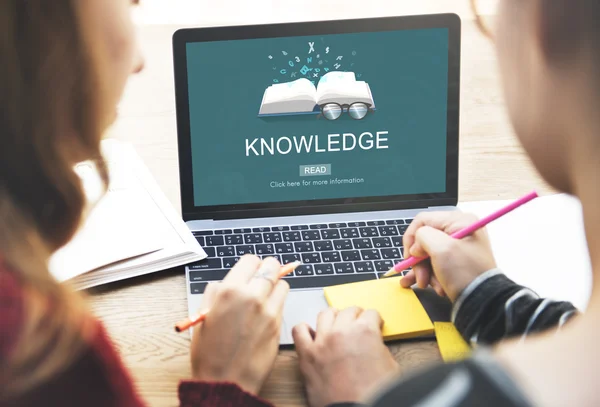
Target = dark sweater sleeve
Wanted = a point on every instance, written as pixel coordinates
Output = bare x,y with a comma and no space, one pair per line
195,394
493,307
475,382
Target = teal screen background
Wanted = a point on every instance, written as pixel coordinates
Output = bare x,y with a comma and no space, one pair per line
407,72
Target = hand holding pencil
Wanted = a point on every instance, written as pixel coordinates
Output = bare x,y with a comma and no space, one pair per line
244,319
451,249
201,315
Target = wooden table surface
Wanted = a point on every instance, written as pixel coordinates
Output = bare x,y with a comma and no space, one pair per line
139,313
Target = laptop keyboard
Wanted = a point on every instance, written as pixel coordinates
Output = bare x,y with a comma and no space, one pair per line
334,253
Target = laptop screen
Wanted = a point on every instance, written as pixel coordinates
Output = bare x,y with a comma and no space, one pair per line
318,117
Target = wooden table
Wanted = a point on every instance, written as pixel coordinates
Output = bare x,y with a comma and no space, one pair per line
139,313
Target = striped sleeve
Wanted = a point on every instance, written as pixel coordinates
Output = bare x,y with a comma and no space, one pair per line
493,307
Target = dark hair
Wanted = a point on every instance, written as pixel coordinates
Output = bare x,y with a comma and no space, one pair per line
50,119
570,27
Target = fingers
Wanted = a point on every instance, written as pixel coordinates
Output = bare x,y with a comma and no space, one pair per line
372,318
347,316
302,338
422,275
436,220
276,300
432,241
409,279
437,286
208,298
243,270
265,278
448,222
325,320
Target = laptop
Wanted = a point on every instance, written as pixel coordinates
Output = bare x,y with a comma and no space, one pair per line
316,141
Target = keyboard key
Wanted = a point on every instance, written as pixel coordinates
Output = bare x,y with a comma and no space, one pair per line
364,267
349,233
223,232
261,230
229,262
402,229
304,270
290,258
382,242
350,255
344,244
208,275
299,227
395,222
323,245
311,235
376,223
202,232
264,249
253,238
384,265
330,234
215,241
223,251
284,248
244,249
362,243
280,228
210,251
343,268
272,237
206,264
244,230
368,232
322,269
390,254
397,241
326,281
331,257
388,231
291,236
356,224
200,240
302,247
319,226
371,254
234,239
198,288
311,258
337,225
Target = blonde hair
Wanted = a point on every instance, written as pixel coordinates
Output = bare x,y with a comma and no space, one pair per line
50,119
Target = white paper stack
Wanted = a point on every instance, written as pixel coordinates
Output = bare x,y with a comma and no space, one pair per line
131,231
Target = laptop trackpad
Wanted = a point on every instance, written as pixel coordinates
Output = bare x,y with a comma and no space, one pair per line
301,306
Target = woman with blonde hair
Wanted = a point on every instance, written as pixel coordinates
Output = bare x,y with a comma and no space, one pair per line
64,65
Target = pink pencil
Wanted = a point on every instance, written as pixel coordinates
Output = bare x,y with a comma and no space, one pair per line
411,261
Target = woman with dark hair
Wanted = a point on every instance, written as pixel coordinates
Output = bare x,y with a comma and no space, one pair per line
533,351
64,65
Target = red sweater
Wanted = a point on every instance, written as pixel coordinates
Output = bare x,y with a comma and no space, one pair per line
98,377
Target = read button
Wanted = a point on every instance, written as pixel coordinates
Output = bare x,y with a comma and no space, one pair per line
315,169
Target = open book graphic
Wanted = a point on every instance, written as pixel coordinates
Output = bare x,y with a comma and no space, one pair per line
302,97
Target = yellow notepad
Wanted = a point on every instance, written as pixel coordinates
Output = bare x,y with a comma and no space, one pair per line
403,315
452,345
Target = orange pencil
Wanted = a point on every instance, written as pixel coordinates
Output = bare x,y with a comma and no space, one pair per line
201,316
